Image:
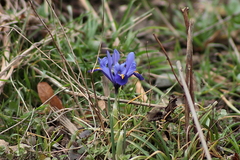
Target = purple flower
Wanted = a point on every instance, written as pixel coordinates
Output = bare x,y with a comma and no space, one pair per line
117,73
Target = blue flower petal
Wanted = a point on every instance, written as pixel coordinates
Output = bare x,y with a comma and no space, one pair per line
117,73
119,68
129,61
103,62
110,60
105,69
121,80
139,76
109,66
131,69
108,74
116,56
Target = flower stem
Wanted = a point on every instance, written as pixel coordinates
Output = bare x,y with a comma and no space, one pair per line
114,122
115,110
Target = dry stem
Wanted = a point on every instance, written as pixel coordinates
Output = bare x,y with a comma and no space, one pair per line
168,59
194,114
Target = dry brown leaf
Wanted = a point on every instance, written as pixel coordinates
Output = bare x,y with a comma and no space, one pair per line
45,93
106,89
102,104
158,113
140,90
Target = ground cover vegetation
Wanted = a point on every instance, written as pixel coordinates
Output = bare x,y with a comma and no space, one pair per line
72,88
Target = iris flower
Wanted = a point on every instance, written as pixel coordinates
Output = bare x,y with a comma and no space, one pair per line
117,73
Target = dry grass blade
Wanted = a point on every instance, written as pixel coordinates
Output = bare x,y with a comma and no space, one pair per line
229,104
194,114
64,121
5,58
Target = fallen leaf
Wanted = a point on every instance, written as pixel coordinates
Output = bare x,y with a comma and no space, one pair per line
102,104
106,89
140,90
46,94
235,156
158,113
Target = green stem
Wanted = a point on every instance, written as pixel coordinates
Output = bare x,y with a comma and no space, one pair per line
114,122
115,110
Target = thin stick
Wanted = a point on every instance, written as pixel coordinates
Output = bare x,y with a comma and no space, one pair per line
194,114
185,16
189,71
189,64
168,59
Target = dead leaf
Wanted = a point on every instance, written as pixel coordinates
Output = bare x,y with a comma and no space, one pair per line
102,104
140,90
45,93
157,113
172,104
106,89
235,156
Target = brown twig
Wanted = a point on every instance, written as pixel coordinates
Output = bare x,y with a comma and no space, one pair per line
189,72
185,16
189,65
168,59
